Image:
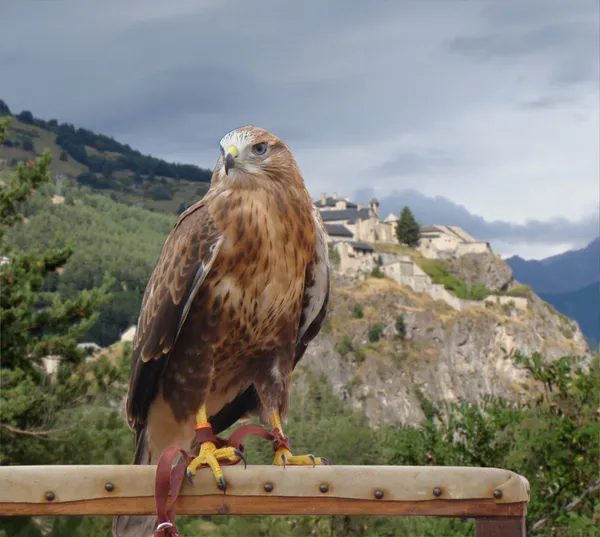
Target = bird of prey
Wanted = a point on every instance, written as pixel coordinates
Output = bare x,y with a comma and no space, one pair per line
240,289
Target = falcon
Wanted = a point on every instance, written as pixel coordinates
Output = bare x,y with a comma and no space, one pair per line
240,289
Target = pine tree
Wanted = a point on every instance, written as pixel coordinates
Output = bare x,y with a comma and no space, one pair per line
47,419
407,229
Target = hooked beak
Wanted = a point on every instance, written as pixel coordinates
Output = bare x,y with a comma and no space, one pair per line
230,157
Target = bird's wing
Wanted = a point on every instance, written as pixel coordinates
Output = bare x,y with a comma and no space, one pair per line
314,310
316,291
186,258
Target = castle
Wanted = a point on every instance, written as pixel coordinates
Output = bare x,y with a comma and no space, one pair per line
348,221
352,229
356,226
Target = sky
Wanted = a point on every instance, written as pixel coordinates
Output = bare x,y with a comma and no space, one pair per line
491,106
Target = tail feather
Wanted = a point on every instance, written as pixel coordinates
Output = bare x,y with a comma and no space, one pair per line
138,525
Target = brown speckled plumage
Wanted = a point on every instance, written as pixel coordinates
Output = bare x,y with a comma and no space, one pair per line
240,289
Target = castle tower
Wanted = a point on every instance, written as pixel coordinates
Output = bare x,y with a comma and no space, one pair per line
374,208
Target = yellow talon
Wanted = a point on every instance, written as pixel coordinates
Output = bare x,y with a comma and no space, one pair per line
209,455
284,457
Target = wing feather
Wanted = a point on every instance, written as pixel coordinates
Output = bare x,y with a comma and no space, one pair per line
186,258
316,291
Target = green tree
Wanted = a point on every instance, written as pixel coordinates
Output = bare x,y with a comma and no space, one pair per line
42,418
4,109
551,439
26,117
407,228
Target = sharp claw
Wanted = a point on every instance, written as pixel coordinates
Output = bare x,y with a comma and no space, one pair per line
222,486
283,458
188,474
241,456
312,458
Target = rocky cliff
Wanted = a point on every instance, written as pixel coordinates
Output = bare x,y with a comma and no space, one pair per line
383,345
485,269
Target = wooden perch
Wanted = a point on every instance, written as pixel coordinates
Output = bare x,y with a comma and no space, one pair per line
488,494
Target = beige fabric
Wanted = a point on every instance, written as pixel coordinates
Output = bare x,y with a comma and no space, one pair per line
29,484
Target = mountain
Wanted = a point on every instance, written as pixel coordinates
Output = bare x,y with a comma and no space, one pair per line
562,273
569,281
582,305
103,164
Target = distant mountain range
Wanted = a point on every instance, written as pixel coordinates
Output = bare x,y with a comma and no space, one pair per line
582,305
569,281
562,273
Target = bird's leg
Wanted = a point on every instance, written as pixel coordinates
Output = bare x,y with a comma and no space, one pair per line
283,455
209,454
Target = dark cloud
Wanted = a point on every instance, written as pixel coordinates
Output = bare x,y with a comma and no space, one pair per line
434,95
406,163
440,210
519,43
549,101
565,38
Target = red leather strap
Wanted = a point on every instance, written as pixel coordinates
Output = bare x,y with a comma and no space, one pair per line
280,441
169,478
239,434
168,482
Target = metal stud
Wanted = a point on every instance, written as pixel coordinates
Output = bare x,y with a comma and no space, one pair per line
268,487
497,494
109,487
50,496
437,492
324,488
379,494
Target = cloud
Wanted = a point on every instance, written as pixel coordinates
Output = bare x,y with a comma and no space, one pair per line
539,237
493,104
407,163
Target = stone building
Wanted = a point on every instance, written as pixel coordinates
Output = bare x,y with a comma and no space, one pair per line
349,221
449,241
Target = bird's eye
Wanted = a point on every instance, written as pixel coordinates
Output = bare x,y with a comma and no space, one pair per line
259,149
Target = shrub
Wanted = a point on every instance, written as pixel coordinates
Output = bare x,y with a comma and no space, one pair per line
160,193
345,346
375,333
523,291
479,292
359,354
357,311
566,332
377,273
334,255
401,326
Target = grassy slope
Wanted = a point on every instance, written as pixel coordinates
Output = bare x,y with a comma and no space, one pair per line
183,191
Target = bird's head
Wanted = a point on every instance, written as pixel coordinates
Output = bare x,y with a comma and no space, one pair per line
250,155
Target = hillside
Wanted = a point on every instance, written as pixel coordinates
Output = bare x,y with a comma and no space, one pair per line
103,164
451,353
385,346
108,238
569,281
